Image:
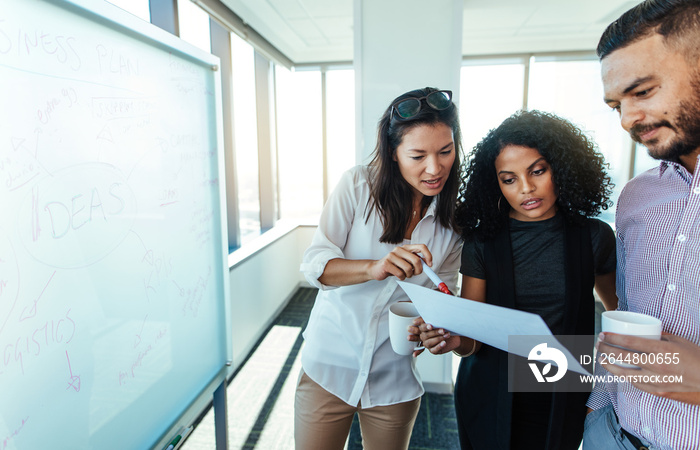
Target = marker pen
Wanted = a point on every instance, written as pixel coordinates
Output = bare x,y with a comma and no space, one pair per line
435,279
174,442
182,436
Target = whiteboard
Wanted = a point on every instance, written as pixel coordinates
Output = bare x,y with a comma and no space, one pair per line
113,256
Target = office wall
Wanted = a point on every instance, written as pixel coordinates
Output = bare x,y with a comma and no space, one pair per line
263,278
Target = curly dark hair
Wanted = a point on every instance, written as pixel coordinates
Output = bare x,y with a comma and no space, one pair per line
578,172
390,193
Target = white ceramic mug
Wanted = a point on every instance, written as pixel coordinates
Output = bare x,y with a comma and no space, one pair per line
633,324
401,316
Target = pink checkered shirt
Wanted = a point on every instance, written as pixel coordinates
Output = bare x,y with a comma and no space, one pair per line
658,273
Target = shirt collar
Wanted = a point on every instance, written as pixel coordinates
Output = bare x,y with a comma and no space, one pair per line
432,207
679,168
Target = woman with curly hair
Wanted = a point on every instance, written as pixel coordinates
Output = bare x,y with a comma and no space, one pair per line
532,186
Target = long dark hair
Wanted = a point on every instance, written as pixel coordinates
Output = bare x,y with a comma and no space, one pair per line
390,194
578,172
678,21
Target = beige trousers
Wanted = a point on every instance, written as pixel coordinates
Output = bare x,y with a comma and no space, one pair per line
322,421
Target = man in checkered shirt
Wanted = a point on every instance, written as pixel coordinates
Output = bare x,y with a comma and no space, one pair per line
650,60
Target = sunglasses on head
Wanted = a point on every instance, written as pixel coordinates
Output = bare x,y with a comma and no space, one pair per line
410,107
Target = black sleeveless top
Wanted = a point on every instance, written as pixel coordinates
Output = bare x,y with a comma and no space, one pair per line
485,408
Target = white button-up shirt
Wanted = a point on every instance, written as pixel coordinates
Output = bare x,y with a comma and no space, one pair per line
347,349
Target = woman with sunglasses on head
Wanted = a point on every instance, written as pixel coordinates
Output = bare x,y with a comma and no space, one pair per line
530,243
376,226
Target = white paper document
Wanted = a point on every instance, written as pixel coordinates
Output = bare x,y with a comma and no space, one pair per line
486,323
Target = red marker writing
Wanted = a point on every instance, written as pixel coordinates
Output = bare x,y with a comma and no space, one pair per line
435,279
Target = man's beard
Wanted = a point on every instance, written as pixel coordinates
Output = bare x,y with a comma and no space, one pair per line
687,128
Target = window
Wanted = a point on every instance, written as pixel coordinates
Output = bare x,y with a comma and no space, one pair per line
245,133
489,94
194,24
573,90
299,144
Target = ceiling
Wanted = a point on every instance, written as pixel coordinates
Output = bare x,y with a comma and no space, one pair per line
310,31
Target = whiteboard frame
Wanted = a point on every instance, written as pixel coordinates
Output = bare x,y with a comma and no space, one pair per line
127,23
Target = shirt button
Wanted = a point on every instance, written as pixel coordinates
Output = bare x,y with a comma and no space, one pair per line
681,238
696,190
671,287
363,374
